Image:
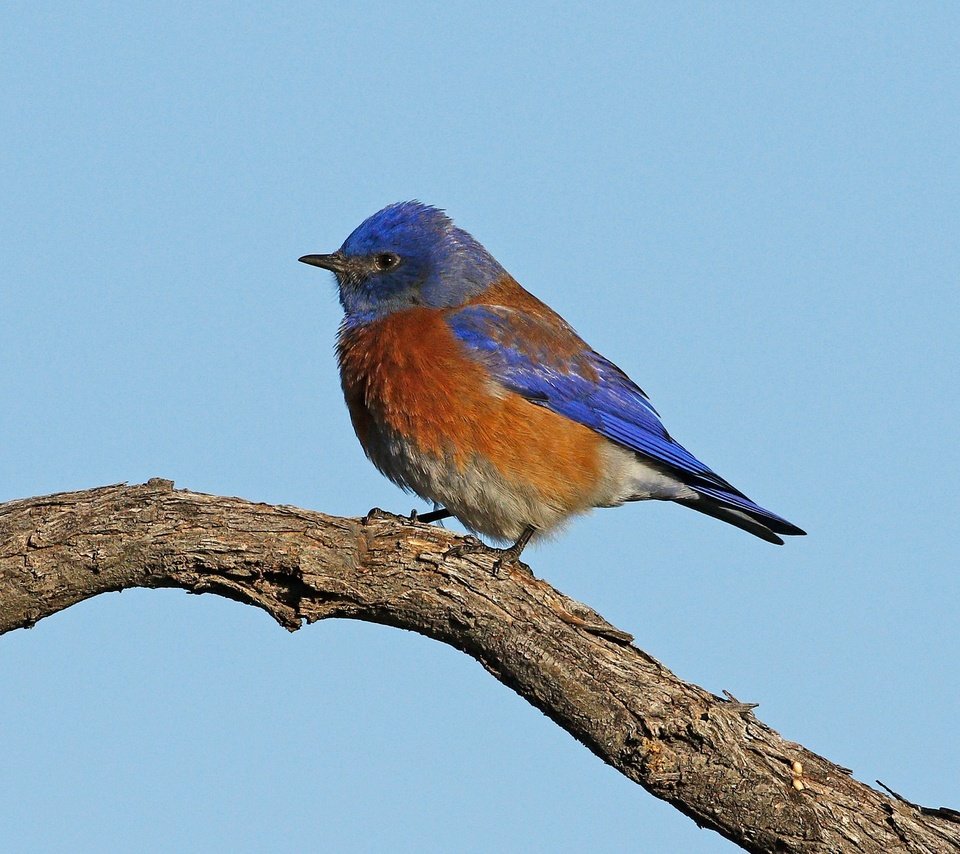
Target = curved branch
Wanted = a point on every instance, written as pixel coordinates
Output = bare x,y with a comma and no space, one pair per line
708,756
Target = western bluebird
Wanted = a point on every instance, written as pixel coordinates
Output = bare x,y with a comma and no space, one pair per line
469,391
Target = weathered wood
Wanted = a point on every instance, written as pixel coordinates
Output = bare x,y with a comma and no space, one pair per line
710,757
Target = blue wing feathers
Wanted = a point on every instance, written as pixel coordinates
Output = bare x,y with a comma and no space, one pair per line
609,402
591,390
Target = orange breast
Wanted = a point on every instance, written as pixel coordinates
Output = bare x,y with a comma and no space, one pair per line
408,375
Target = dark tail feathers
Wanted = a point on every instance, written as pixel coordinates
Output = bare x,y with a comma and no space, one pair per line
736,509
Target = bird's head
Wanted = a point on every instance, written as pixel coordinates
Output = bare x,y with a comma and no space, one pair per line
409,254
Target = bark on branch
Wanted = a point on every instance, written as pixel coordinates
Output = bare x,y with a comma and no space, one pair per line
710,757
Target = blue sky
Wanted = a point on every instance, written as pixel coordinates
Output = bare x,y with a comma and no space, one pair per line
751,208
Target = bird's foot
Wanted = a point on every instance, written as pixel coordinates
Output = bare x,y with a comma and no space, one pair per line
742,709
376,514
509,556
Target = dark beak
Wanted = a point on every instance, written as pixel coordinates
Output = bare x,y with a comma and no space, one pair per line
334,262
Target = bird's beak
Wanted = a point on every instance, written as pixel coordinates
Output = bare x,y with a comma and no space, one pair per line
335,262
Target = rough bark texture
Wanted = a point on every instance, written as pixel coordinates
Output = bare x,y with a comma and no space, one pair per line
708,756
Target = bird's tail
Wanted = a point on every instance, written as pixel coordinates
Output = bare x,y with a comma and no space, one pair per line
732,506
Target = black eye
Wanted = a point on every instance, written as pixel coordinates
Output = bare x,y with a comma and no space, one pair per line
386,261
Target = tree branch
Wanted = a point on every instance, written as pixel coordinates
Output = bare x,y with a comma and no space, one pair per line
708,756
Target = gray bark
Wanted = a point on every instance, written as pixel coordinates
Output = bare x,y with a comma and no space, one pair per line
708,756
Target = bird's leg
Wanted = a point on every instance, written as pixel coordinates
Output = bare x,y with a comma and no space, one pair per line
505,557
432,516
511,554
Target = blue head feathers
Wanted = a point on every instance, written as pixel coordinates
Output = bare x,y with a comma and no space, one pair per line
405,255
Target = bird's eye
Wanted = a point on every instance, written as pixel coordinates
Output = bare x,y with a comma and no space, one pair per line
386,261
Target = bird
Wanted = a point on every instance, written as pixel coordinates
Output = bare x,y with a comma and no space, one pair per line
467,390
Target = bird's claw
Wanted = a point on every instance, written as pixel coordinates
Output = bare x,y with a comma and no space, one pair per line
469,545
375,514
506,557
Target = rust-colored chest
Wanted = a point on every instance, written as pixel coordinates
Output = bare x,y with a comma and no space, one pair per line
408,382
407,375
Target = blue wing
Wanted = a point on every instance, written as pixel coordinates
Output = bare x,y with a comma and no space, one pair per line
544,360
